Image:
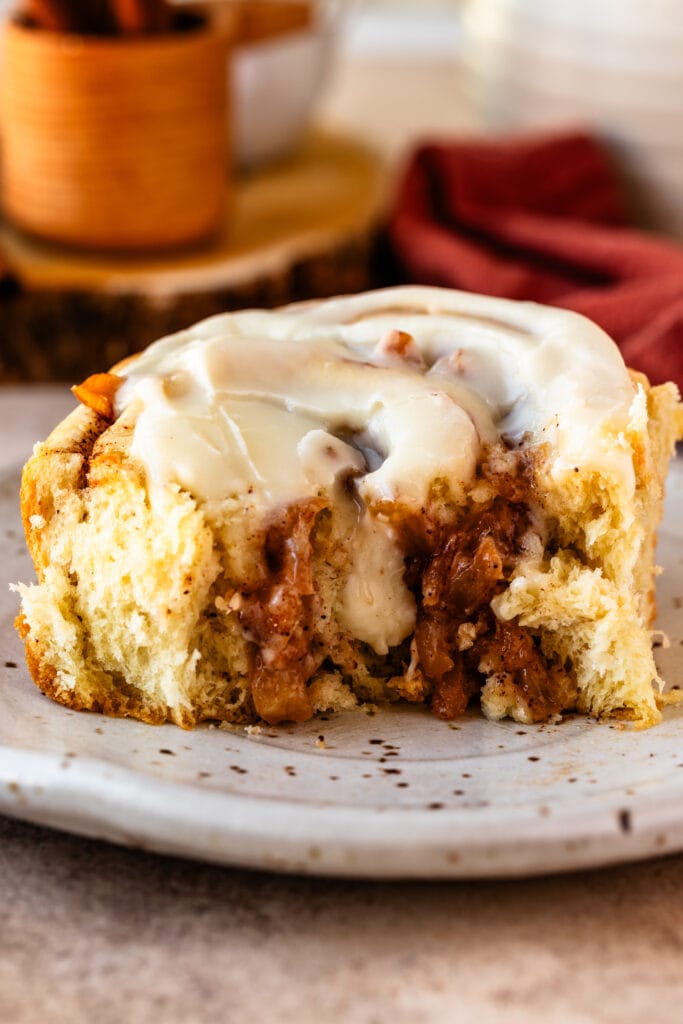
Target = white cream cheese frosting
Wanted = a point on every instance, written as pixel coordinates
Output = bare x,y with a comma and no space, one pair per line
396,388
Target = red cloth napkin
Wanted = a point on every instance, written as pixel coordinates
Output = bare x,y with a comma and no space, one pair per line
542,218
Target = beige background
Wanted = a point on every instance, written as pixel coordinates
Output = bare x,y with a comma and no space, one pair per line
94,933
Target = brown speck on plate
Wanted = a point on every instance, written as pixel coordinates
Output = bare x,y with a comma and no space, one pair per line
624,818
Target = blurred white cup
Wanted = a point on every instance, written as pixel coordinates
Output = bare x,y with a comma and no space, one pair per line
276,81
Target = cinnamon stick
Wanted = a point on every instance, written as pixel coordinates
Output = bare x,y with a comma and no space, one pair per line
162,15
129,17
54,15
83,16
137,17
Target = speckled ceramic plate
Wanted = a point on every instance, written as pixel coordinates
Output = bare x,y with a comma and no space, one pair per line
397,793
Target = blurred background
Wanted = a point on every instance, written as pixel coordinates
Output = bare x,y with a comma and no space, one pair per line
162,162
397,75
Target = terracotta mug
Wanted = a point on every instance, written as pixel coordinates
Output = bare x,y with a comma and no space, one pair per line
116,142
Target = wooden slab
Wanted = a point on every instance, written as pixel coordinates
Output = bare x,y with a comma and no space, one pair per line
299,229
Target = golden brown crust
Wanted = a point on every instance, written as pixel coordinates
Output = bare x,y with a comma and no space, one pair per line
112,702
60,464
81,451
57,465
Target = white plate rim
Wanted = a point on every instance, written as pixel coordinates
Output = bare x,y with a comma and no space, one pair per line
93,798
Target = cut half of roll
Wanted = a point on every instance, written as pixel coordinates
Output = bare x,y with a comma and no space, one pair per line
412,494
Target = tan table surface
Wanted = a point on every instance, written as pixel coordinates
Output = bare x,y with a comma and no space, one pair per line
93,933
